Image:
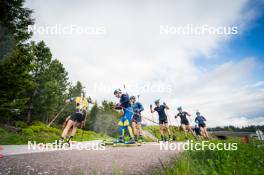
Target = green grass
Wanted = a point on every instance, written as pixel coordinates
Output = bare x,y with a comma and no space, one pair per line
155,130
248,159
41,133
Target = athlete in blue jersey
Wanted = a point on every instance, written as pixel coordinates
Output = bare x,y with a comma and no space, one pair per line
200,120
124,122
136,120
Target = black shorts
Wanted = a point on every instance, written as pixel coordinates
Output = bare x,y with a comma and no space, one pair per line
165,121
136,118
184,122
77,117
202,125
197,131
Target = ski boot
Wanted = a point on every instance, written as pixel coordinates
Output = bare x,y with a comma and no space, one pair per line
174,138
120,140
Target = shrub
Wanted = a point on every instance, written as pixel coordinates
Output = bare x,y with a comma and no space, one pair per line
2,131
28,131
21,124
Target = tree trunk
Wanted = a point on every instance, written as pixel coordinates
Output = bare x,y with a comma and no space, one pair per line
31,107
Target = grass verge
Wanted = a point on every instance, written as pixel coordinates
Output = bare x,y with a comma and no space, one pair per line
41,133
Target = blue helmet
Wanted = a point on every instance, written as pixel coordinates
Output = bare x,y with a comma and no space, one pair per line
132,97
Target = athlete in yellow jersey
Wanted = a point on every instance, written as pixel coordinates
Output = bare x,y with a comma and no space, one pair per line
77,117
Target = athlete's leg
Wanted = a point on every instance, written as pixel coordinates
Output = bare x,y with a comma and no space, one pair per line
74,129
139,128
166,126
128,128
206,133
190,129
140,133
127,120
121,127
161,131
70,123
134,127
183,127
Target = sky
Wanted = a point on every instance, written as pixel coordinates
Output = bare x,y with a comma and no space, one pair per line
134,43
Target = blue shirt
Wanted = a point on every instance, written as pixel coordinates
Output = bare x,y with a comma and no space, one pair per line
124,101
137,107
200,119
161,112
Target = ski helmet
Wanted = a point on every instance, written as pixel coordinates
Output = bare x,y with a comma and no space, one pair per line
132,97
157,101
117,91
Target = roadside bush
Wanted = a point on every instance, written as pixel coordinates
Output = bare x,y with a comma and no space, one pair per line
21,124
28,131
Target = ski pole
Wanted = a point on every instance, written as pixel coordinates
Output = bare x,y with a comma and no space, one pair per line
83,125
152,114
172,132
57,115
150,120
86,117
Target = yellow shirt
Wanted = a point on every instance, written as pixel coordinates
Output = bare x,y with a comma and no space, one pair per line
80,104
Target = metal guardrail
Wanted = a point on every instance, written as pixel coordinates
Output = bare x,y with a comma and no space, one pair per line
232,133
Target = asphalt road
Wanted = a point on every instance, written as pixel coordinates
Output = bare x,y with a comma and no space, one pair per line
112,160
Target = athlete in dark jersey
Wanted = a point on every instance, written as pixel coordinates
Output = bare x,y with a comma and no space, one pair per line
163,120
183,115
184,122
77,118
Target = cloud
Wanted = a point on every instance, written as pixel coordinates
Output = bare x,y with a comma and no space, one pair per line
133,52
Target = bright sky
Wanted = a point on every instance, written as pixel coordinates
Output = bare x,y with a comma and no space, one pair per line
219,74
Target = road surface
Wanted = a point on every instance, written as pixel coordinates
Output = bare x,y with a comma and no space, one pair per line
112,160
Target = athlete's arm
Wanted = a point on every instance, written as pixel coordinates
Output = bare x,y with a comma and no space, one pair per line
188,114
166,106
118,106
176,116
141,108
90,100
151,110
70,100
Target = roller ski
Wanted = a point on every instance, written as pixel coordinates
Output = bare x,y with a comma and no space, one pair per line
121,142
